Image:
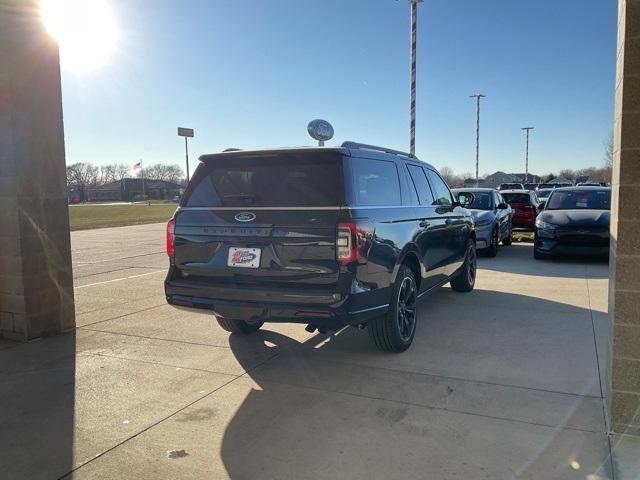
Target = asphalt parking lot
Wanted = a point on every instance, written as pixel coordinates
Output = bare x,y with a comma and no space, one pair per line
503,382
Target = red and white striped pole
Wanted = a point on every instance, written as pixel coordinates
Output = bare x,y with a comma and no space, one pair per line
412,121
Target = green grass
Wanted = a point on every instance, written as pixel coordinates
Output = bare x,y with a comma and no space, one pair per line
523,237
83,217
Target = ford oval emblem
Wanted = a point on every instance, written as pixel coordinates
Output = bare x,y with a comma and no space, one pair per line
245,216
320,130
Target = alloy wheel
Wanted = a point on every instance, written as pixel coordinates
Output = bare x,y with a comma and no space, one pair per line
407,308
471,270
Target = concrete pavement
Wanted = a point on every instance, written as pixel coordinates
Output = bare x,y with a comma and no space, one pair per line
503,382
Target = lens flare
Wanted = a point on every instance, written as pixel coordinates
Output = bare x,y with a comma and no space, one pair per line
86,31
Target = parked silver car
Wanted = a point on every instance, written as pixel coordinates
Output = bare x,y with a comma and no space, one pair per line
492,216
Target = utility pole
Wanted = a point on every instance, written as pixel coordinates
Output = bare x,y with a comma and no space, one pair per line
412,104
477,96
526,154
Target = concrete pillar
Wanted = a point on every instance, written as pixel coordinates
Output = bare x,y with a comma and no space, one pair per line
624,286
36,284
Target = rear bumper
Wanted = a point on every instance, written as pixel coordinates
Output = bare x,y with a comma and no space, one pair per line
524,223
327,311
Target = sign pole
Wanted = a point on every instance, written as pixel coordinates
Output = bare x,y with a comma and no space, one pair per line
186,133
186,154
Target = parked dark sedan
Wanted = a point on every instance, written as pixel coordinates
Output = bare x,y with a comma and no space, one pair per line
574,221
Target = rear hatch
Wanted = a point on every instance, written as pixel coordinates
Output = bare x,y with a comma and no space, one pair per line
264,220
523,209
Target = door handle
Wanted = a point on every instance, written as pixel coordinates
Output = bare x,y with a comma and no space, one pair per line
424,224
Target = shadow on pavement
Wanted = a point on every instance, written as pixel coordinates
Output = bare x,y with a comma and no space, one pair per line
561,266
37,401
334,407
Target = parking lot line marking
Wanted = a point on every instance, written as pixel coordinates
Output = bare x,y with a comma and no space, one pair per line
119,279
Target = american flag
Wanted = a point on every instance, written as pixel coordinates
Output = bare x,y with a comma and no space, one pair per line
136,166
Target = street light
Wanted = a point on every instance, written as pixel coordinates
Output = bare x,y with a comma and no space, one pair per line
412,87
526,154
477,96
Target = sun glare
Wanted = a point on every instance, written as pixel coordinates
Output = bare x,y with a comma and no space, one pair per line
85,30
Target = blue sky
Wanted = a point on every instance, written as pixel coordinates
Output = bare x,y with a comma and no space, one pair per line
252,73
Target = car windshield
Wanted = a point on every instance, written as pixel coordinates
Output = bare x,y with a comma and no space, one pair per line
482,200
512,198
579,199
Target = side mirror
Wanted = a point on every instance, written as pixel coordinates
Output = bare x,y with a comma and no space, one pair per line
541,205
502,206
466,198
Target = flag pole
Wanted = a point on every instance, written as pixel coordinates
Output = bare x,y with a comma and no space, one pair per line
144,197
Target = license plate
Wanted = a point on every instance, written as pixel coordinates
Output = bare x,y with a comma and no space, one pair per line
243,257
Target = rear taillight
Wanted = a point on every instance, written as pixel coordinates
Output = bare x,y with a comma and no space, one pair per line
171,237
353,241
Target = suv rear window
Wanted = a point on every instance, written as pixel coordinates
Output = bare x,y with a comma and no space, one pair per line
375,182
276,180
512,198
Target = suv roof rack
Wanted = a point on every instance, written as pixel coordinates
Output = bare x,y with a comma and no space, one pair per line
376,148
232,149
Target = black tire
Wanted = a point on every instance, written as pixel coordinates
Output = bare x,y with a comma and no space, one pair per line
509,239
492,249
465,279
394,331
238,326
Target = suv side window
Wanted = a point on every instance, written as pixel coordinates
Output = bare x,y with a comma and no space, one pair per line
375,182
497,199
440,190
421,184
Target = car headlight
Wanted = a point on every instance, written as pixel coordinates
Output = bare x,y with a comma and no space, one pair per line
544,225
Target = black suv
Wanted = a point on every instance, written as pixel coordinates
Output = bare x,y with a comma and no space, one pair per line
327,237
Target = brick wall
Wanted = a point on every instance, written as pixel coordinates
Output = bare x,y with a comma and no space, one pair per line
36,285
624,286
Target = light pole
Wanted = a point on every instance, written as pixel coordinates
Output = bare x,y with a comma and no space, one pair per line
412,87
477,96
526,154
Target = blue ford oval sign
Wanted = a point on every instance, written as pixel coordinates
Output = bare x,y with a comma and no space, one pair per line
320,130
245,216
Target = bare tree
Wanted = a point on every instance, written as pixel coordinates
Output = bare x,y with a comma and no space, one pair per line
608,151
121,171
80,176
107,174
160,171
568,174
448,175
